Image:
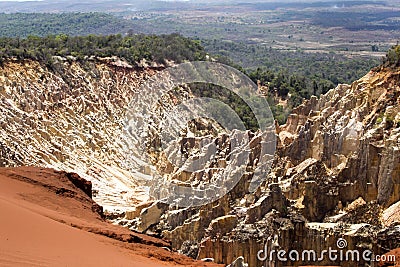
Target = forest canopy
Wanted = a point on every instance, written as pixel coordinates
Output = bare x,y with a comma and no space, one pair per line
132,48
43,24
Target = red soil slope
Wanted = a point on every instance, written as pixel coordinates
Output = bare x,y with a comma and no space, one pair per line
46,220
388,263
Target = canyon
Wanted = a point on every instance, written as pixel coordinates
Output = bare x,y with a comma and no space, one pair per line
335,174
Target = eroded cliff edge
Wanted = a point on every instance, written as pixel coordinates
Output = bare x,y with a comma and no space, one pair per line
336,172
70,116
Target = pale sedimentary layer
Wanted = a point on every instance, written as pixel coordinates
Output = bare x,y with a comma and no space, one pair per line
71,117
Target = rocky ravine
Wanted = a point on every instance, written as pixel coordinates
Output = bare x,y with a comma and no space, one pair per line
336,172
70,117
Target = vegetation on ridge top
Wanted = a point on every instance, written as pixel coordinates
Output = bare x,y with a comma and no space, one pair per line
285,89
132,48
393,57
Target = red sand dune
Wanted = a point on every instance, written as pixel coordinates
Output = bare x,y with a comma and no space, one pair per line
48,221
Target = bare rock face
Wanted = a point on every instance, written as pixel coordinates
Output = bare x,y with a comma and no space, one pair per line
353,132
151,215
335,174
222,225
274,199
71,118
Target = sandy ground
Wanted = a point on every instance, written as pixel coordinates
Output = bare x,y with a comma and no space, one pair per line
387,263
47,221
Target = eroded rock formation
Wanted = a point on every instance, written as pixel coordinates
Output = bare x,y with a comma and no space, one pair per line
335,174
70,117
